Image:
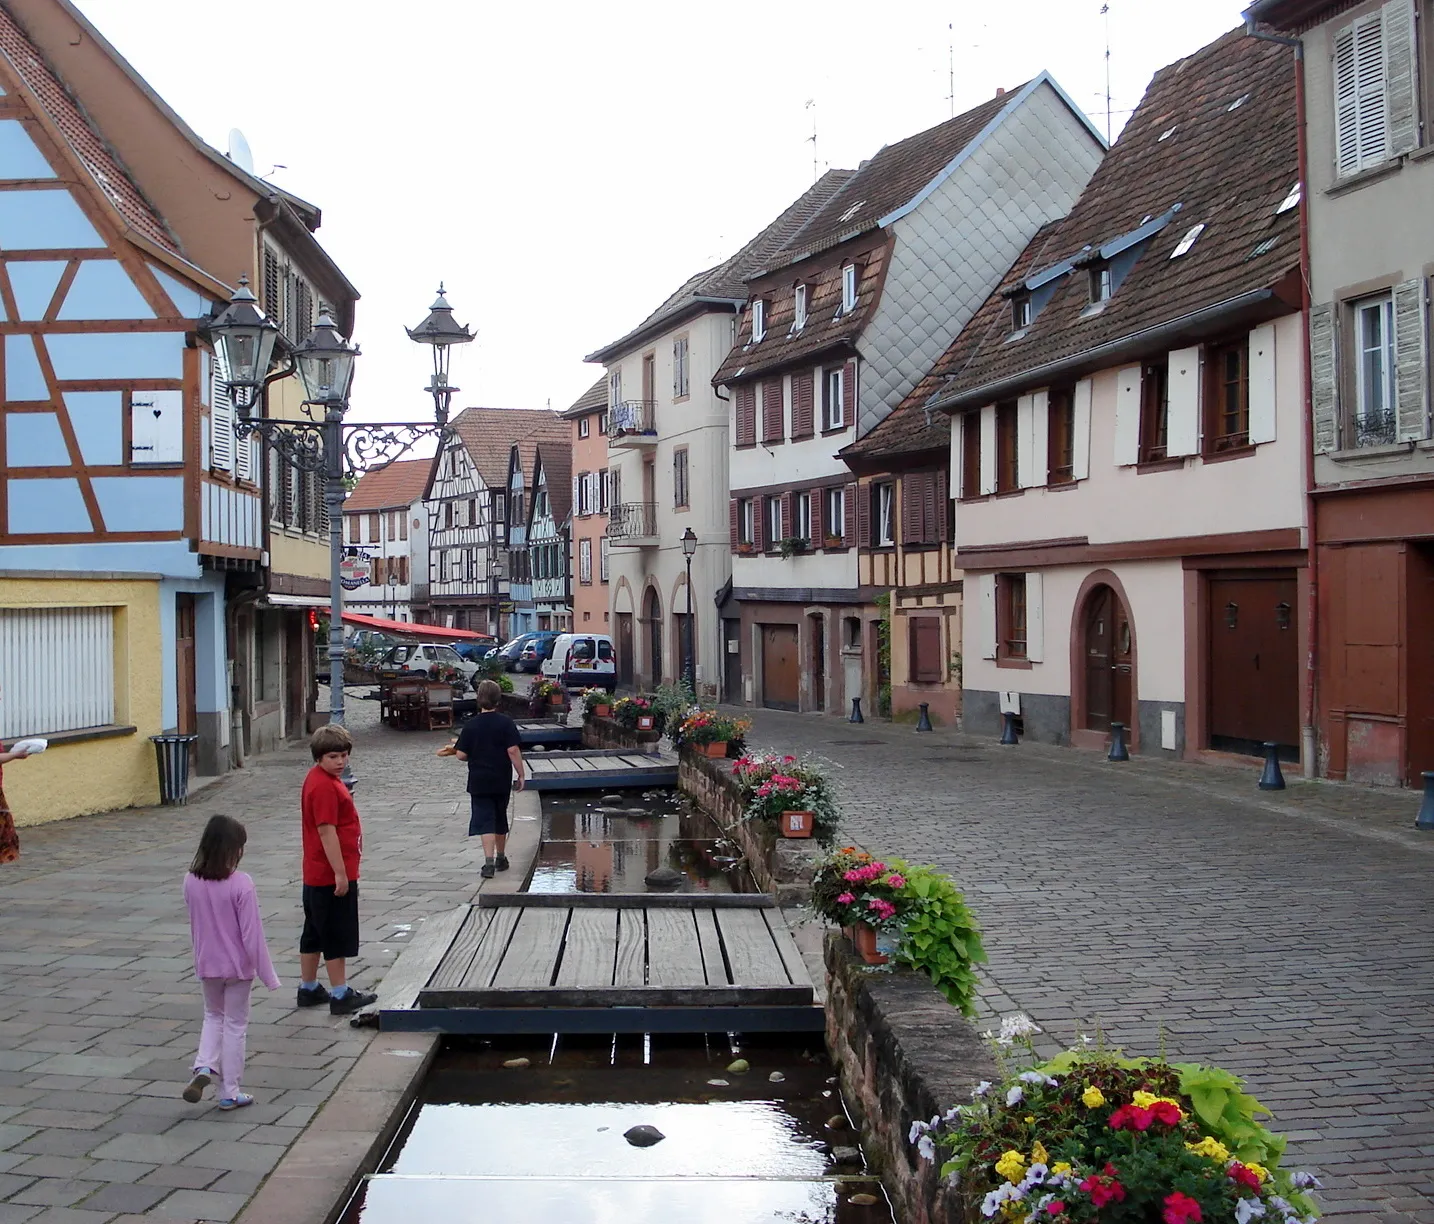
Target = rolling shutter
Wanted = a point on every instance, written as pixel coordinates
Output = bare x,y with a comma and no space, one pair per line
1262,383
803,406
1127,416
1410,370
1324,367
1183,391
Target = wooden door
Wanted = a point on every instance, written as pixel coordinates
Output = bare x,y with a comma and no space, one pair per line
1420,662
624,649
652,614
298,665
187,722
1099,632
1253,663
732,660
781,668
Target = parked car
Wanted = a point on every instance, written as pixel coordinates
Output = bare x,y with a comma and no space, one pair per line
511,649
583,660
420,656
476,649
536,650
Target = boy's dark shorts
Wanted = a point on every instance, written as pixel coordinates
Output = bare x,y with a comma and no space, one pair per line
331,924
489,814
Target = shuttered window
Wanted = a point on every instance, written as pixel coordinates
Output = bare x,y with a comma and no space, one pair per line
834,518
923,635
746,410
803,408
773,412
1361,107
57,667
221,416
585,561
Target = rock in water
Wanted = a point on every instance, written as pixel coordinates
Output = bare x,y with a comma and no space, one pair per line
717,1083
862,1200
846,1155
837,1122
663,878
517,1062
610,799
644,1136
738,1065
777,1078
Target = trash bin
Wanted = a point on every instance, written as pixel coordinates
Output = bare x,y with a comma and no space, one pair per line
172,753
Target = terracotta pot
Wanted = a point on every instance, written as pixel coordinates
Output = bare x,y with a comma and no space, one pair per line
797,824
863,939
602,711
644,722
717,751
555,699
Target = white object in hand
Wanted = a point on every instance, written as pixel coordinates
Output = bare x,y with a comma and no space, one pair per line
30,746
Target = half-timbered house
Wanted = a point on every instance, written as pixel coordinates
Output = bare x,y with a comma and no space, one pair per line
549,533
386,523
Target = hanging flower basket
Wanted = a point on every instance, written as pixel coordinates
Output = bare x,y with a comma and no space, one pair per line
797,824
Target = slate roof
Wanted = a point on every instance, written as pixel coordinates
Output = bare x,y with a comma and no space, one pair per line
728,280
489,434
594,399
399,484
96,157
1215,133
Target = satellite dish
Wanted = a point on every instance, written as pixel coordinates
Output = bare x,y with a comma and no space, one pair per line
239,152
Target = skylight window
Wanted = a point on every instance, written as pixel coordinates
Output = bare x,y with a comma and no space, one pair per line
849,275
1237,103
799,308
759,320
1188,241
852,211
1292,200
1168,133
1265,247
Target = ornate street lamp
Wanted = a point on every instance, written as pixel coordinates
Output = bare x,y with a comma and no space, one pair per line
442,331
689,550
244,339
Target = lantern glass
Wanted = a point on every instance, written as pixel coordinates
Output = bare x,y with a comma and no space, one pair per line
326,363
244,340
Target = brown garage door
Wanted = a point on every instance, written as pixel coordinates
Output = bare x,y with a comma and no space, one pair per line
1254,663
780,667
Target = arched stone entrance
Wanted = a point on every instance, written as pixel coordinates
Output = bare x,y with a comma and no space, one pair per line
1103,670
652,618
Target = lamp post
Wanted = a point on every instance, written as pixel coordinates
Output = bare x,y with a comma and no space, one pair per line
689,550
495,571
245,341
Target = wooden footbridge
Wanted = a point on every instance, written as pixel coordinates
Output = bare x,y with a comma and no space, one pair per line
599,769
579,963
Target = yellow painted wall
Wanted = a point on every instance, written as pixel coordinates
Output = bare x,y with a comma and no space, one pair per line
96,775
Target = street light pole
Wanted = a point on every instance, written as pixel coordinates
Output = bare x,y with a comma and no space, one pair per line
689,549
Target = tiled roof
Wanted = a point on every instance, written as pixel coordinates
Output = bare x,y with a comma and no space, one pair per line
558,468
83,139
399,484
825,328
728,280
890,179
1215,134
491,433
594,399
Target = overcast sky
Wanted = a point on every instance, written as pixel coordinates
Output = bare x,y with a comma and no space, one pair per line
564,166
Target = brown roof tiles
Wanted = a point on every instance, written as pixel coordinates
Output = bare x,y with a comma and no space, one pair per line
399,484
489,434
594,399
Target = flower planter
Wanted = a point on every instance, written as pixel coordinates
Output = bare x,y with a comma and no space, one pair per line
863,939
602,711
644,722
555,699
797,824
717,751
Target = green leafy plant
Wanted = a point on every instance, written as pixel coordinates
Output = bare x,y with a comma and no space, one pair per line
771,784
594,697
629,709
939,934
791,546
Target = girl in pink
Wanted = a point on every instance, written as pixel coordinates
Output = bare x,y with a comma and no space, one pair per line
229,953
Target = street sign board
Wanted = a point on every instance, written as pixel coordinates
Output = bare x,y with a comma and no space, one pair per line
354,572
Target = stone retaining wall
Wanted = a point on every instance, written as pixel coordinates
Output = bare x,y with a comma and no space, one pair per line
608,733
903,1053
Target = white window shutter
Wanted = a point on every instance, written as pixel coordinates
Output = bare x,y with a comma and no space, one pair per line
988,449
1262,384
221,419
1324,380
1182,383
1039,445
1127,416
1080,448
1372,88
1346,103
1410,364
986,615
1025,408
1035,619
958,467
577,494
1400,76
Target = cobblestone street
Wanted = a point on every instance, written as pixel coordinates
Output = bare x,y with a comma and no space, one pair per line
1283,936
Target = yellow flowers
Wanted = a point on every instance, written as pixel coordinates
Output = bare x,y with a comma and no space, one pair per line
1011,1166
1258,1170
1039,1155
1092,1098
1062,1168
1144,1099
1211,1147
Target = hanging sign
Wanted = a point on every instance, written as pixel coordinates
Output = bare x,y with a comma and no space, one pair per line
354,572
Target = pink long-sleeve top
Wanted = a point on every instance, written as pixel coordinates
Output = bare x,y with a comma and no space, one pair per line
226,928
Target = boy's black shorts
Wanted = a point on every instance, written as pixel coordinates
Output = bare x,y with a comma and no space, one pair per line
488,814
331,925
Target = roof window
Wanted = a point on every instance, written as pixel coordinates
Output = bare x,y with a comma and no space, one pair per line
1168,133
850,273
1021,313
1188,241
852,211
759,320
799,308
1102,283
1292,200
1265,247
1237,103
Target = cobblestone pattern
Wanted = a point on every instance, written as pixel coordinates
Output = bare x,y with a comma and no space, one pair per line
1284,935
100,1012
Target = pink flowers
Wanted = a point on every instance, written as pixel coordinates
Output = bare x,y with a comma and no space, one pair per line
882,908
896,881
845,898
865,875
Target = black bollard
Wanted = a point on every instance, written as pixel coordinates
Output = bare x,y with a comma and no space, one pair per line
1008,729
1118,750
1425,819
924,722
1272,778
856,711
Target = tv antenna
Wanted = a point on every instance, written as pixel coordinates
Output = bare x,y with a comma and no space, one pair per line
951,66
1105,12
812,106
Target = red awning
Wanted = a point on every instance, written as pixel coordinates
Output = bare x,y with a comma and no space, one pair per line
413,629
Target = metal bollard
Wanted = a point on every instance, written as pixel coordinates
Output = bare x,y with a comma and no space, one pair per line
1425,819
1272,778
1118,750
856,711
1008,729
924,722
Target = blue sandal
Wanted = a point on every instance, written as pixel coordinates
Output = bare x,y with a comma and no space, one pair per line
236,1102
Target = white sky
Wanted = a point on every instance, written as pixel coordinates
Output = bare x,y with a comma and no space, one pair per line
564,166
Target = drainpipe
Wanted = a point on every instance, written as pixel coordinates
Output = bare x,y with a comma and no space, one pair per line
1309,740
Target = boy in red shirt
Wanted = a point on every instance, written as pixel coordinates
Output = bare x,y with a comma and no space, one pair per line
333,843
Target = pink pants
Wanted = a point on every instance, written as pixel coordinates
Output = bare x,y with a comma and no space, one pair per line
226,1020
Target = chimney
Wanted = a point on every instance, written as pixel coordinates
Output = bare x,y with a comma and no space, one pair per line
1000,91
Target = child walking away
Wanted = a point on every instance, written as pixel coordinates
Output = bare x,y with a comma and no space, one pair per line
333,845
489,743
229,953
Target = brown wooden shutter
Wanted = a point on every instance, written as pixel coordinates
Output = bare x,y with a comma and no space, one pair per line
747,415
735,522
943,507
803,419
273,288
786,516
759,523
911,508
930,509
848,393
818,498
923,636
850,499
863,515
773,426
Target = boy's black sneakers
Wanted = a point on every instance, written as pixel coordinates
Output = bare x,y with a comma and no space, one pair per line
502,863
487,871
349,1002
312,998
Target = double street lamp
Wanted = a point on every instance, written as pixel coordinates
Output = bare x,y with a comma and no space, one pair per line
246,341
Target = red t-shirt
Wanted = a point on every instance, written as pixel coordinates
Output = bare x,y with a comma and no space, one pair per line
326,800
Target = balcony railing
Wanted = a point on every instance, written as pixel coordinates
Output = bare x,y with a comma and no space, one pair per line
632,421
632,521
1378,428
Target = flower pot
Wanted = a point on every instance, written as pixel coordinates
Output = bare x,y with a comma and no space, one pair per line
717,751
555,699
863,939
797,824
644,722
602,711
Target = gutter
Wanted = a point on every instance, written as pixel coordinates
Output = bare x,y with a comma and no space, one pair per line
1099,356
694,306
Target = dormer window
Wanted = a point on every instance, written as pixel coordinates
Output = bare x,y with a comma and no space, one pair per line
1102,284
759,320
1021,312
799,308
849,274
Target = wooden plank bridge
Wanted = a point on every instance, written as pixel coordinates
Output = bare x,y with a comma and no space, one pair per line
539,734
599,769
578,963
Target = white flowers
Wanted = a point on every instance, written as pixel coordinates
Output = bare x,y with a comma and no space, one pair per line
1006,1193
1036,1077
1303,1180
1013,1026
926,1147
1247,1209
1015,1096
981,1089
1035,1175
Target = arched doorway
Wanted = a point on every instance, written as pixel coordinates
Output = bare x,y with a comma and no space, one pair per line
652,617
1108,655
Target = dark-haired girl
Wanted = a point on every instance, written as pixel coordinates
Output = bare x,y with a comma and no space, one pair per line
229,953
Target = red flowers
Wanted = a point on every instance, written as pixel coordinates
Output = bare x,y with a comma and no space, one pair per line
1056,1206
1131,1117
1243,1176
1167,1112
1103,1187
1181,1209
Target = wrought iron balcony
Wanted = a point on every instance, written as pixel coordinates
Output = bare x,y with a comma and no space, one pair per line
633,525
1378,428
632,423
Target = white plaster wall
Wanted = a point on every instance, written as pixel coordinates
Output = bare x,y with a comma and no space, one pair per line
822,570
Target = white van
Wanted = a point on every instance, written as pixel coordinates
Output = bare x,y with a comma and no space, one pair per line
583,660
